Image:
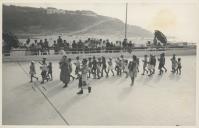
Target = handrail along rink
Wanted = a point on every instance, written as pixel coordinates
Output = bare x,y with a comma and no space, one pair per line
27,55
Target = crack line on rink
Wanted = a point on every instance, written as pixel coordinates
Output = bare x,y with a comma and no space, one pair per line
45,96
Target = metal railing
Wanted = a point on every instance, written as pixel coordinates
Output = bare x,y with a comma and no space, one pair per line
26,52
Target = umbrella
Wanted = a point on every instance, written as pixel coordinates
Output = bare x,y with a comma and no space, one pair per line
158,35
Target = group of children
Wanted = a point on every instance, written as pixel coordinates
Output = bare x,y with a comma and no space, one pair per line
149,66
46,71
176,65
96,67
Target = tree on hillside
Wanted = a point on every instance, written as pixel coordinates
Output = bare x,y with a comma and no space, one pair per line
10,41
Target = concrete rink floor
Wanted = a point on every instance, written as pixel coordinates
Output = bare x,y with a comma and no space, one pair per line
158,100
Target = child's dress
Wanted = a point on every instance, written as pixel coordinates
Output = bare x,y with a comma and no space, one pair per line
77,63
49,69
179,65
32,70
44,70
126,67
99,66
84,73
144,63
110,65
132,69
174,64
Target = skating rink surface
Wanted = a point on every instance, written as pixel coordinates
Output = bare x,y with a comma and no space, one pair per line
158,100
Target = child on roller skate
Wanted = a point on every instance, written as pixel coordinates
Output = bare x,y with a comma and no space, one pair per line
118,66
174,63
70,68
110,66
126,68
104,67
122,62
99,68
138,63
89,67
94,67
44,70
179,66
145,61
77,64
83,77
50,73
32,71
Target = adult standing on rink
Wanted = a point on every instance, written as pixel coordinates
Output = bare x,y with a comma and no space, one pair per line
133,69
65,71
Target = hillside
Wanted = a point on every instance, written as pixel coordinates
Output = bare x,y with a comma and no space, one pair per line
28,20
116,27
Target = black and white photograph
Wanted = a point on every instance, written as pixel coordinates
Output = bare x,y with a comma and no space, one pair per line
122,63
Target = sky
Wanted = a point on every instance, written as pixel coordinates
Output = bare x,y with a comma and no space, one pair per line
178,19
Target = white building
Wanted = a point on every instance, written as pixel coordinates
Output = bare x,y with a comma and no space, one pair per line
51,10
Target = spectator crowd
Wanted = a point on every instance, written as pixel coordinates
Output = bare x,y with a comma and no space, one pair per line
88,45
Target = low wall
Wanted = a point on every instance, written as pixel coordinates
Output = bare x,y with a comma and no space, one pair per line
140,53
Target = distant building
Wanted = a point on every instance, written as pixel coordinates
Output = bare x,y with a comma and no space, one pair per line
51,10
61,11
88,13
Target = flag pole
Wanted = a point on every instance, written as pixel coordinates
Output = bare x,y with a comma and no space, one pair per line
125,36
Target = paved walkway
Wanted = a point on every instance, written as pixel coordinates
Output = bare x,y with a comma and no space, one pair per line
166,100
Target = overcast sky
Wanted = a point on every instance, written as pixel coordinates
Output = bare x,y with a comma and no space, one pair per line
179,18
